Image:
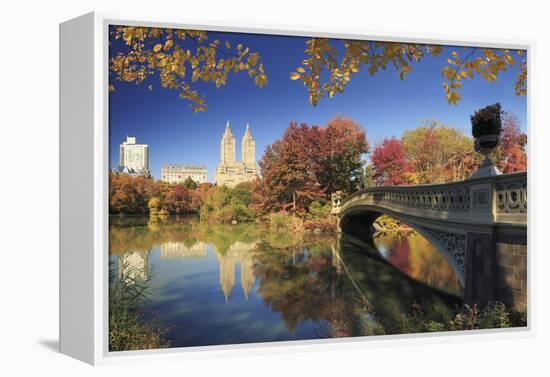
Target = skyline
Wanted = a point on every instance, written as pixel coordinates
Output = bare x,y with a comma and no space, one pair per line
382,104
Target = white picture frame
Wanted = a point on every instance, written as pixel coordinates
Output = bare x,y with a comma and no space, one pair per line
84,191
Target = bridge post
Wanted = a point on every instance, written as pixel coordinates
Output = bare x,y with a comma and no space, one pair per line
480,271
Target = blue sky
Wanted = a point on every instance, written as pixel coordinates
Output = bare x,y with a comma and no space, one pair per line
382,104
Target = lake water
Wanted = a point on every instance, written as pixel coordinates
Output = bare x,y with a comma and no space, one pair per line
242,284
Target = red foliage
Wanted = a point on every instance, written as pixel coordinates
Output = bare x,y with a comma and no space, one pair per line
389,162
515,160
178,200
198,195
512,145
288,169
399,256
129,194
341,145
310,162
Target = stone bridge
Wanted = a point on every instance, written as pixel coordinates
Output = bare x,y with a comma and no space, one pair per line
479,225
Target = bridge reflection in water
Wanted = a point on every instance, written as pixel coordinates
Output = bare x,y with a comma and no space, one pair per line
236,284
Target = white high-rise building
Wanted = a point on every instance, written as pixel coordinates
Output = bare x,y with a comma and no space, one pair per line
134,158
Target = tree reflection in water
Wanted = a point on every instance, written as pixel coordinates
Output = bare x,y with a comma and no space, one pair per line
348,288
343,286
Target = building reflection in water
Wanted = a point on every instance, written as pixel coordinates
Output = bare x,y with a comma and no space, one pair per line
237,253
179,250
133,266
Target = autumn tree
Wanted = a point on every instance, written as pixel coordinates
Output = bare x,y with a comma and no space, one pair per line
309,163
331,63
140,195
510,154
178,199
223,204
368,176
198,195
389,163
154,205
288,169
438,153
190,184
179,58
342,145
130,194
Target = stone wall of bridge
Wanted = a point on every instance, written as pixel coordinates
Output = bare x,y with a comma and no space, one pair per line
496,269
511,271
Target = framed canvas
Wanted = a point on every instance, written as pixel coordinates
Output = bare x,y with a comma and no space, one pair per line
230,188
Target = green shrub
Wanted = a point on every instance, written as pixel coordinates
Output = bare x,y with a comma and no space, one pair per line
225,205
517,318
190,184
319,210
371,327
326,225
283,221
128,295
433,326
388,223
494,316
440,318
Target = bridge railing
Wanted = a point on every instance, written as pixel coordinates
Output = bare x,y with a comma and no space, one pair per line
501,198
511,198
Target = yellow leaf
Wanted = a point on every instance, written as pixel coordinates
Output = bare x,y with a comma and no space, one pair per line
294,76
227,45
168,44
157,47
300,69
252,59
448,72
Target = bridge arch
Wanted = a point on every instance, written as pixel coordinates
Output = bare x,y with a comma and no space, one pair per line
359,222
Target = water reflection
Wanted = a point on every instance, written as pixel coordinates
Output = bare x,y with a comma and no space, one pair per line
239,253
179,250
415,256
236,284
132,266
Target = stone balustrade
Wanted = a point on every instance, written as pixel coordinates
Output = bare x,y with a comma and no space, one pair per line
485,200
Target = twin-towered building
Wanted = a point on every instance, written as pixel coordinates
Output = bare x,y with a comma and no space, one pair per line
231,172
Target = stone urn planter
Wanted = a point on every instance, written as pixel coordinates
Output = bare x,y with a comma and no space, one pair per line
486,127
